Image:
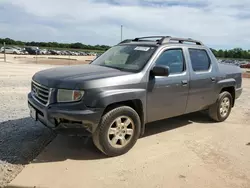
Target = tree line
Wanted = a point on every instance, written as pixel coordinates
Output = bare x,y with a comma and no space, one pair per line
238,53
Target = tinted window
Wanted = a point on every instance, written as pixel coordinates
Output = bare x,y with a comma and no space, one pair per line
199,59
173,59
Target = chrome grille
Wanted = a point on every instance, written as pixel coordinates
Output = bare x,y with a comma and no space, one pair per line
40,93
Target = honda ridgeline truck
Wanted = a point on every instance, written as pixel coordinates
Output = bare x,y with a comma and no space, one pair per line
133,83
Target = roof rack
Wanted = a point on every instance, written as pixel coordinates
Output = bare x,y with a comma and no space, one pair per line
125,41
168,39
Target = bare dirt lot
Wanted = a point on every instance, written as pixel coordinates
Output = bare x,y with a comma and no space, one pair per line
188,151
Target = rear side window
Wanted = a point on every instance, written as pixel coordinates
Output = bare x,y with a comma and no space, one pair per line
199,59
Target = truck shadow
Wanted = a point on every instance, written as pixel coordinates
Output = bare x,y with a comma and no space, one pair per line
176,122
82,148
22,140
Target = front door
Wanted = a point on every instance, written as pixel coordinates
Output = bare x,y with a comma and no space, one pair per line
167,96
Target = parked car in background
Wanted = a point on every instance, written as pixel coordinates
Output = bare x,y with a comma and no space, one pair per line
43,51
68,52
246,66
33,50
11,50
55,52
83,53
64,52
1,49
76,53
24,52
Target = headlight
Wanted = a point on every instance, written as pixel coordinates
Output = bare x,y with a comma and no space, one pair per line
64,95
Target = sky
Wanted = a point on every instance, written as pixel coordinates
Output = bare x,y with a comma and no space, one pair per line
217,23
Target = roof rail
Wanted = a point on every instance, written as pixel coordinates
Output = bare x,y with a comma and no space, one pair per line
181,40
168,39
149,37
125,41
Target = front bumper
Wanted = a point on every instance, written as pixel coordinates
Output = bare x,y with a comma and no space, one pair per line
65,116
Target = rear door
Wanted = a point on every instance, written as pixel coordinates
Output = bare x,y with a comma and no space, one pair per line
167,96
203,80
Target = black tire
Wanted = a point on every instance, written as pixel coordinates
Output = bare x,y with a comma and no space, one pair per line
101,138
214,110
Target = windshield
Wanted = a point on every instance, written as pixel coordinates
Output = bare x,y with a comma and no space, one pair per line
126,57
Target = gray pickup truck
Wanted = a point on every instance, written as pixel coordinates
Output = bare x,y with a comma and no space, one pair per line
133,83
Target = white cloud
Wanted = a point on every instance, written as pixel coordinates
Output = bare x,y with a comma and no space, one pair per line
219,24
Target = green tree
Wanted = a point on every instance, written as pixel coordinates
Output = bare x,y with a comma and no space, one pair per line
220,53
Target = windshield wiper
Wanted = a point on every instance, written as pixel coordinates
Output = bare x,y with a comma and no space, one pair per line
118,68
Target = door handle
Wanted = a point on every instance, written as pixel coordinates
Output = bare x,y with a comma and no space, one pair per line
184,82
213,79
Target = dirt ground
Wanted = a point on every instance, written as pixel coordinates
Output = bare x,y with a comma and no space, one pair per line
188,151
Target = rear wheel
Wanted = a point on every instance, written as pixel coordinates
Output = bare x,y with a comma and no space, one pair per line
222,108
118,131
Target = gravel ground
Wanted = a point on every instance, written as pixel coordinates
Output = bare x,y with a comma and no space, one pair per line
21,139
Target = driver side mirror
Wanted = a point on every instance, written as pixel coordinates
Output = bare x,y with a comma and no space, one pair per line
160,70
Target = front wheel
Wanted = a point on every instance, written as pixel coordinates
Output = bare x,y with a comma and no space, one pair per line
222,108
118,131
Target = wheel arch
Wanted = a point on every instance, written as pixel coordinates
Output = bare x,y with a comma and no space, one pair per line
231,90
136,104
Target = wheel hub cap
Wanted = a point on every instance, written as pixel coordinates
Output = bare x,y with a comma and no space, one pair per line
225,106
121,131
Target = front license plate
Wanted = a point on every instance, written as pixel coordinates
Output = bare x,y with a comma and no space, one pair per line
33,113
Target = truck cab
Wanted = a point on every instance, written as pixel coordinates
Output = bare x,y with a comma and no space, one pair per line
133,83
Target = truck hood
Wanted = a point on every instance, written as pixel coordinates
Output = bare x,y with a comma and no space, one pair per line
68,76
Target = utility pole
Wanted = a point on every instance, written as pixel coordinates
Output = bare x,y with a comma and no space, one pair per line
36,53
4,52
121,31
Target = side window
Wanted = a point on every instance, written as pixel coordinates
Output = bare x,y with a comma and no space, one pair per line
173,59
199,59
